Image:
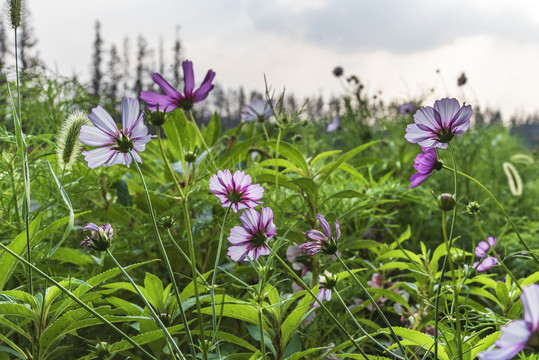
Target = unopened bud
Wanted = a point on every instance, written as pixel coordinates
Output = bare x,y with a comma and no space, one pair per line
446,201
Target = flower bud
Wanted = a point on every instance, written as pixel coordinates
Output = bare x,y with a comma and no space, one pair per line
157,117
102,350
473,208
297,138
99,239
328,280
446,201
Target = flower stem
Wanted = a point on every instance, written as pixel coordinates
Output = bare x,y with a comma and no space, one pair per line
168,166
167,263
78,301
213,278
500,207
361,328
390,328
277,164
186,258
322,306
206,147
170,341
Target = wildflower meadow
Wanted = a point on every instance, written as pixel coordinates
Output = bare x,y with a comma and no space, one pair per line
136,227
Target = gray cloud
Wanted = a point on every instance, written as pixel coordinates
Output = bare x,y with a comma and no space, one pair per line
393,25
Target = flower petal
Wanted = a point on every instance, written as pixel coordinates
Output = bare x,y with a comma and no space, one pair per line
250,219
238,235
165,86
98,157
204,90
93,136
130,114
325,225
101,118
152,100
188,77
530,305
447,108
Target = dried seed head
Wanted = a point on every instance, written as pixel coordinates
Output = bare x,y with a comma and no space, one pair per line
14,9
68,145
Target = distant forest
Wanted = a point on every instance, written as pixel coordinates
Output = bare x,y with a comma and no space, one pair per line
115,73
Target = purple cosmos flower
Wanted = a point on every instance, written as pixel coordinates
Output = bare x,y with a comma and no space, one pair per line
257,110
435,127
99,239
326,244
407,109
481,251
172,99
236,190
425,163
518,334
334,125
327,282
115,146
250,239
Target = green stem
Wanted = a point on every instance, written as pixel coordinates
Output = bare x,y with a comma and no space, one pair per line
322,306
277,165
165,259
206,147
361,328
167,163
186,258
214,276
265,131
78,301
192,255
170,341
373,302
260,309
500,207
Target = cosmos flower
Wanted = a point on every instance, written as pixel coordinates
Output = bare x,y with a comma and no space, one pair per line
436,126
250,239
257,110
172,99
481,251
115,146
334,125
99,239
518,334
327,283
324,243
236,190
425,163
407,108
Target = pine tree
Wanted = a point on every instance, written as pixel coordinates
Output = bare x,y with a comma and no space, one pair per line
26,43
126,66
114,74
97,74
3,45
161,57
142,53
177,59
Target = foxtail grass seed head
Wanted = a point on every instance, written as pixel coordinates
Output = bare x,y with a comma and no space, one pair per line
15,12
513,179
68,145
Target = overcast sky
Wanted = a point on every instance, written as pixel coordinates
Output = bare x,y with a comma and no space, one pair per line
393,46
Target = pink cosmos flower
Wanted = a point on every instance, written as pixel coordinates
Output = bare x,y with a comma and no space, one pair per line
518,334
115,146
407,108
257,110
435,127
334,125
172,99
327,282
250,239
481,250
236,190
99,239
425,163
324,243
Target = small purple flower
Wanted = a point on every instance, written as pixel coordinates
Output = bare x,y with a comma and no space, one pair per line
257,110
250,239
115,146
99,239
338,71
518,334
327,282
236,190
407,108
425,163
481,251
436,126
334,125
324,243
172,99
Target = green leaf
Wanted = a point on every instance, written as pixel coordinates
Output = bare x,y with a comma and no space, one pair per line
290,152
145,338
293,321
323,155
484,344
22,310
154,291
270,163
71,221
346,194
18,351
502,293
309,188
302,354
73,256
18,245
213,130
242,311
413,337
